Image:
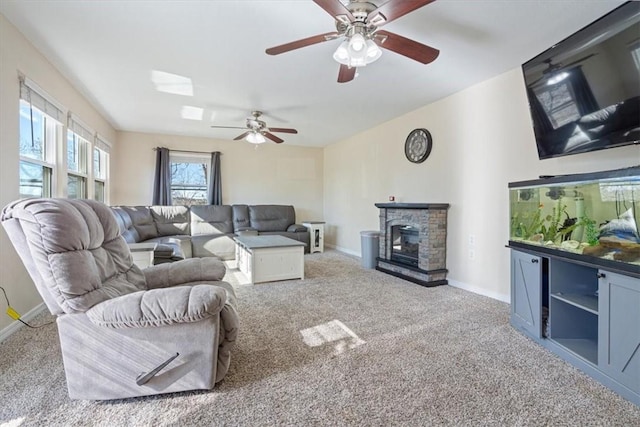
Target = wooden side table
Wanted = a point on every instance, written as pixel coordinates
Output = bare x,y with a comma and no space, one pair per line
316,231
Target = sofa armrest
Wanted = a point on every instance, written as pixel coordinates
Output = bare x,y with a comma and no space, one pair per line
159,307
296,228
184,271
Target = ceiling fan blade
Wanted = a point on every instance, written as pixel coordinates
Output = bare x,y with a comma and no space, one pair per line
407,47
346,74
273,137
228,127
334,8
239,137
394,9
282,130
277,50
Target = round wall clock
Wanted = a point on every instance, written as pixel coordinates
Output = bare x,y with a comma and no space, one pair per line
418,145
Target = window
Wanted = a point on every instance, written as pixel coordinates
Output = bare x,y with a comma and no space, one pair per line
77,160
100,167
39,134
43,152
559,102
189,176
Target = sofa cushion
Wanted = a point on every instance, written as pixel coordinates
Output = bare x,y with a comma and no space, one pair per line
211,219
241,220
271,217
127,230
142,221
171,220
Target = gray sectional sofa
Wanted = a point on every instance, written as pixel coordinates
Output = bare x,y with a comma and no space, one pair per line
204,230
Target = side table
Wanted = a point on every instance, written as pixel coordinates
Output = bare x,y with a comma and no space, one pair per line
316,231
142,253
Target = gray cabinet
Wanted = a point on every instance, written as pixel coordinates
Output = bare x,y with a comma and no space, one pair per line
593,315
619,343
573,308
526,292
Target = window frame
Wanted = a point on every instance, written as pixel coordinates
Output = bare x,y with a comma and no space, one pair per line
193,158
52,133
58,126
103,176
82,161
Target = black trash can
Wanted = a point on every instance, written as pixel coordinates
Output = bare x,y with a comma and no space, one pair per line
370,247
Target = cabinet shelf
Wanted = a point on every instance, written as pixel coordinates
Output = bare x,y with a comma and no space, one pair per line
583,347
585,302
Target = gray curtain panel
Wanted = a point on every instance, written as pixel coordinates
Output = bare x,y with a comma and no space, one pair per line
162,178
214,189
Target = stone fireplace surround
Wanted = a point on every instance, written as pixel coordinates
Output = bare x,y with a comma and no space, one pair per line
431,221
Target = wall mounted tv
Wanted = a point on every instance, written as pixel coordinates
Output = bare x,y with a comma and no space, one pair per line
584,92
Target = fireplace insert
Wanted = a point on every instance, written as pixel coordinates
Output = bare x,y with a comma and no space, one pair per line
406,243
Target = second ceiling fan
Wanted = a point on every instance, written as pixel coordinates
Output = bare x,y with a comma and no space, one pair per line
257,130
359,24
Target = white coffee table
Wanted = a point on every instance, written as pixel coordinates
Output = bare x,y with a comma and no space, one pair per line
269,258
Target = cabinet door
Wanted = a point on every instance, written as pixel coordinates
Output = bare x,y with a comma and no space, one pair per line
619,328
526,290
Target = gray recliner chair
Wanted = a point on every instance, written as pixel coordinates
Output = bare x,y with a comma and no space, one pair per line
123,331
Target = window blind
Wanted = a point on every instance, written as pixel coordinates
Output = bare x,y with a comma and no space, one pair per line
102,143
76,126
31,93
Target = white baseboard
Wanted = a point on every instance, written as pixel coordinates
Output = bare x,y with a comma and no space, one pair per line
15,326
480,291
343,250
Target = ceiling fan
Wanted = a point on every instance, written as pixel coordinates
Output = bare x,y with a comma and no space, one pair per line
359,24
257,130
553,73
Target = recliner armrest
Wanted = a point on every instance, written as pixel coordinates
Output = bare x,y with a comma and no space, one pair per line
159,307
184,271
296,228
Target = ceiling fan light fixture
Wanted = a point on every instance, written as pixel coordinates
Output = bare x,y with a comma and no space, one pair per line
341,54
367,52
373,51
357,43
557,78
256,138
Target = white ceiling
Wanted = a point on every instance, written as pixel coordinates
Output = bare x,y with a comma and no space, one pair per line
108,50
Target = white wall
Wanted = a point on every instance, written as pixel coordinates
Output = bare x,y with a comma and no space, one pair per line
18,55
265,174
482,140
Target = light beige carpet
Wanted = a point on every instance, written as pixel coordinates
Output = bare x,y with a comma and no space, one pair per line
346,346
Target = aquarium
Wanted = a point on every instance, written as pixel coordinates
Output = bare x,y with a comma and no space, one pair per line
594,215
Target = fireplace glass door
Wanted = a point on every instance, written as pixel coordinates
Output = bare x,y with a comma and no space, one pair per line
406,244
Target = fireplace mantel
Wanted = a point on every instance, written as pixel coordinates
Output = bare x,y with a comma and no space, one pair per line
412,205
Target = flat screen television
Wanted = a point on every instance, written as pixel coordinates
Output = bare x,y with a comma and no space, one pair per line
584,92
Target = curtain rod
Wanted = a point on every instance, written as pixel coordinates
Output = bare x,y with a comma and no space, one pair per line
187,151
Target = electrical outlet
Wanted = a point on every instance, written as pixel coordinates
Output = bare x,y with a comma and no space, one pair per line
472,240
472,254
